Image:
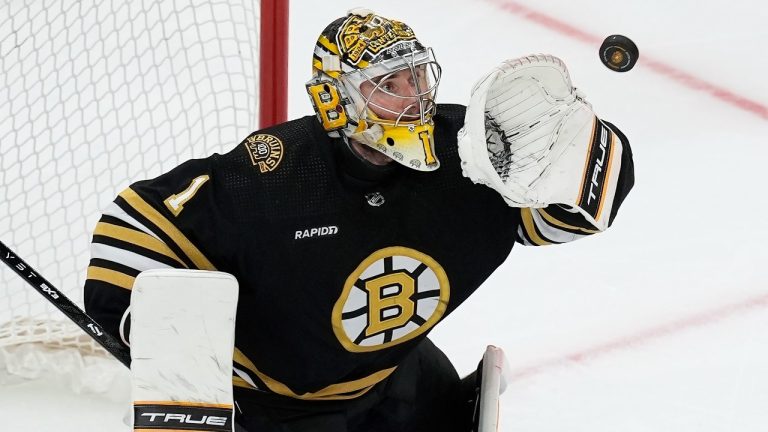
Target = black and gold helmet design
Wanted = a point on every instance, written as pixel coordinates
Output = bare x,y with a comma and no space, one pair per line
374,82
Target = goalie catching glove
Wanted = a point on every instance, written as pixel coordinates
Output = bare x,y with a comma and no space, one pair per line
531,136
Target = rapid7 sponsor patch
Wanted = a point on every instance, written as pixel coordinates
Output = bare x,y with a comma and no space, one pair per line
316,232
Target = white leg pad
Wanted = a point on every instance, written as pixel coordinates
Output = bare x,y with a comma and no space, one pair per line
182,339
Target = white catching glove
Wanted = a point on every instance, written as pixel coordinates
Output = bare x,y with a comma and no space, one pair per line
531,136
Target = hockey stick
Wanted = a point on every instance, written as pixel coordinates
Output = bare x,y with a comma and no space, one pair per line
65,305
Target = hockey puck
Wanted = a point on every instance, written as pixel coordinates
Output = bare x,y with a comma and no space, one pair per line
618,53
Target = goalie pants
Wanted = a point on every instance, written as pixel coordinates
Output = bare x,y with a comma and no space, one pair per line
424,394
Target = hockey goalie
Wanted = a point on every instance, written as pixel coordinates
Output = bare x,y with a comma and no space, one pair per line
408,206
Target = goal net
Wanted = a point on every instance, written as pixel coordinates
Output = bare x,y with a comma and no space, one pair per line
95,95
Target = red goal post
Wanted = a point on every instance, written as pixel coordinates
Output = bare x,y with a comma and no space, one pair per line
274,62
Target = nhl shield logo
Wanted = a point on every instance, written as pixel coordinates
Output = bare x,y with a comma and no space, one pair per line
266,151
375,199
393,296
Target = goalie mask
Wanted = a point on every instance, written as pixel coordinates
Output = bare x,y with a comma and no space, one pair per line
375,83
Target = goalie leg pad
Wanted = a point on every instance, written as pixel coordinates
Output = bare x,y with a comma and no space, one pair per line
182,341
182,417
490,380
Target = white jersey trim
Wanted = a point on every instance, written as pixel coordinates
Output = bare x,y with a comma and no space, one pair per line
125,257
115,211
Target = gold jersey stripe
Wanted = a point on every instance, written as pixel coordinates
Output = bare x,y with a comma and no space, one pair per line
530,228
555,222
184,404
340,391
111,277
239,382
137,238
154,216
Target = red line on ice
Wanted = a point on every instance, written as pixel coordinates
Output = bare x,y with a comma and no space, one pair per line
645,336
657,66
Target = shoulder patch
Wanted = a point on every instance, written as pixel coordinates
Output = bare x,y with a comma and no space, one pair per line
266,151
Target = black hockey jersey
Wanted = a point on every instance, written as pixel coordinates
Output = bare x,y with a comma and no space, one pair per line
339,278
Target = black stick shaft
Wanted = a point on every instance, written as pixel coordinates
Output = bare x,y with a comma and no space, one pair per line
74,313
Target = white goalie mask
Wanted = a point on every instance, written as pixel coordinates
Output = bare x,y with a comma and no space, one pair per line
375,83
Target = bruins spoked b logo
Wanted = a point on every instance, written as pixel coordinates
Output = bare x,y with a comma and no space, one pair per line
394,295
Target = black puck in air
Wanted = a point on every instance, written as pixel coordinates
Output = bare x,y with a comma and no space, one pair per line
618,53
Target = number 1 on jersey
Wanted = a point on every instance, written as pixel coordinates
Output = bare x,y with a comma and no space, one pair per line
175,202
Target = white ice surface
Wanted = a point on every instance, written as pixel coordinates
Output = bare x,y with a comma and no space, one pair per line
656,325
52,406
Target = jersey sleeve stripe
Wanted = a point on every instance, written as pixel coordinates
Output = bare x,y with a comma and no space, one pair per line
112,277
125,224
562,225
114,211
340,391
138,261
530,229
156,218
551,232
568,220
137,238
522,238
118,267
156,232
241,378
240,382
114,250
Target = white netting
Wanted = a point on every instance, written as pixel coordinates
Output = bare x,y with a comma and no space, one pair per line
93,96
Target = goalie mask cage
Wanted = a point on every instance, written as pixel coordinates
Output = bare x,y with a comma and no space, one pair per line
95,95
